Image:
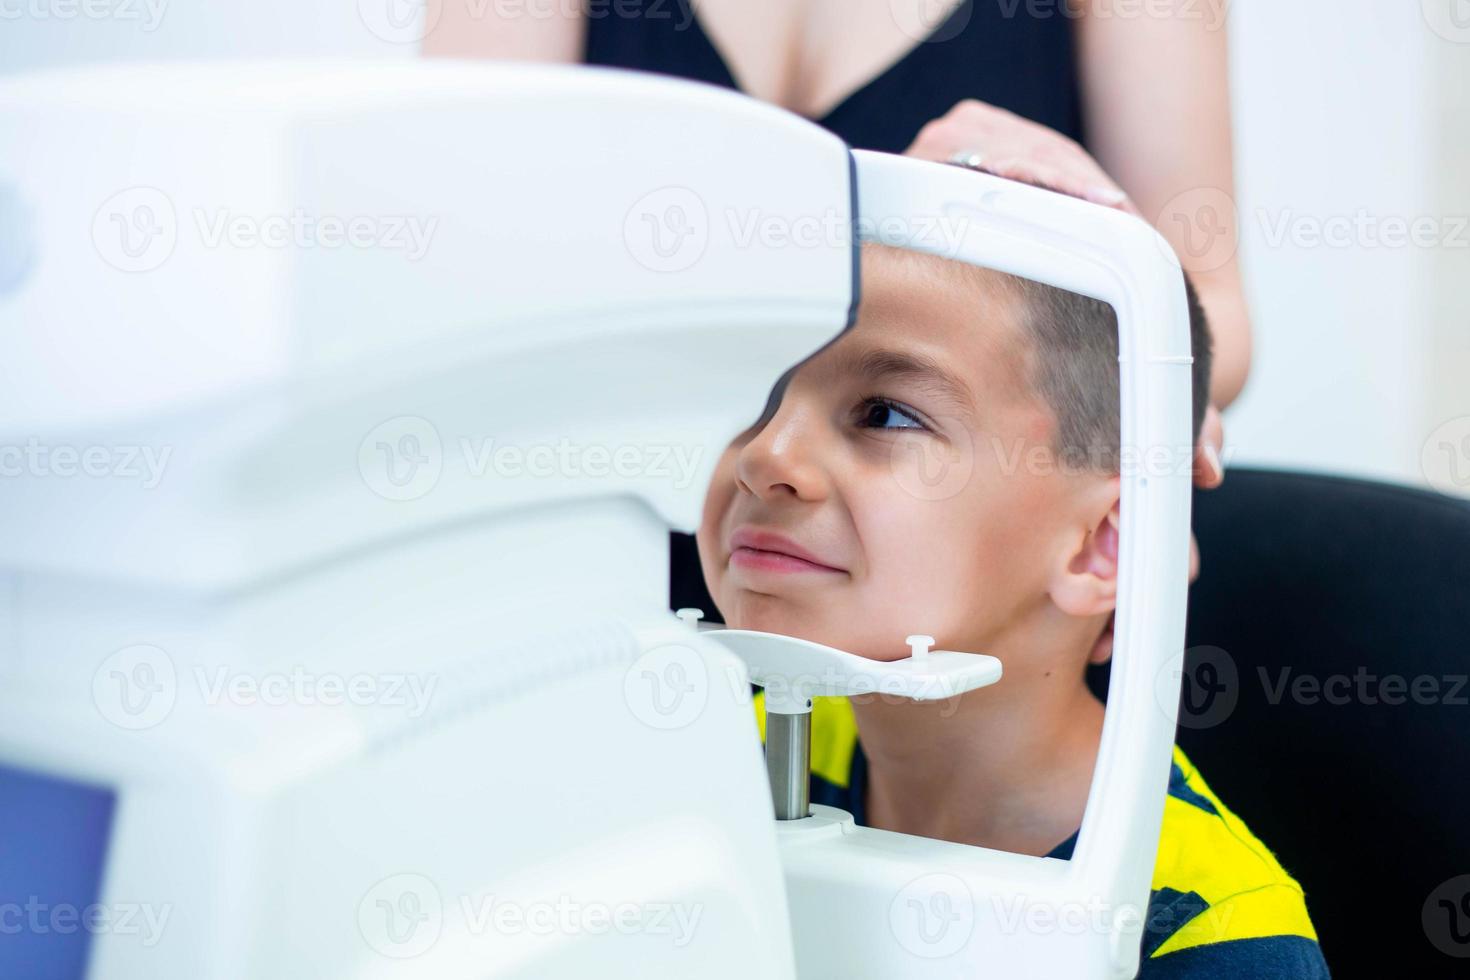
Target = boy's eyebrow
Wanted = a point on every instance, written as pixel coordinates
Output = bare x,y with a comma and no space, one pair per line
884,363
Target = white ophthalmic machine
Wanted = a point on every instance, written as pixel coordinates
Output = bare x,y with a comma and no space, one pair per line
310,667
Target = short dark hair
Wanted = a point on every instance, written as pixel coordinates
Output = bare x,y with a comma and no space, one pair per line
1075,339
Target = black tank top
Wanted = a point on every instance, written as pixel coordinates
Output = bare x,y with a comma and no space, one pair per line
1015,54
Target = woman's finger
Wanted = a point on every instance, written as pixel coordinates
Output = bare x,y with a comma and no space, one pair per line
1209,470
1073,181
1018,149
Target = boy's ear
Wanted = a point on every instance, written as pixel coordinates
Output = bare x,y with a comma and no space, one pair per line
1085,581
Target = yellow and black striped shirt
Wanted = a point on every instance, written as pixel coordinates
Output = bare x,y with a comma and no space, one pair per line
1221,904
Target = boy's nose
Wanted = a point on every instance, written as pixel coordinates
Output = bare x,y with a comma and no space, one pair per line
784,458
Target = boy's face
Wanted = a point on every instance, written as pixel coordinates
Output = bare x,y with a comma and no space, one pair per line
905,464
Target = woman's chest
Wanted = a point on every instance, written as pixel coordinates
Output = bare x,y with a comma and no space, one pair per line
810,55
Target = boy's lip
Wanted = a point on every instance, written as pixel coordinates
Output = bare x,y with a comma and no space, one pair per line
758,548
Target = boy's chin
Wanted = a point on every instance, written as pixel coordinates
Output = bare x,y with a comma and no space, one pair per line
769,616
774,614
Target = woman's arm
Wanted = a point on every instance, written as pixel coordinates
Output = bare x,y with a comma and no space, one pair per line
1155,88
515,30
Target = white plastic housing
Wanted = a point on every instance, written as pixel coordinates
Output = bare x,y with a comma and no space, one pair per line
593,259
599,274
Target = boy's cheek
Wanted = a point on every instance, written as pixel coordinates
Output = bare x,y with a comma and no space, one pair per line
937,567
708,537
706,540
717,499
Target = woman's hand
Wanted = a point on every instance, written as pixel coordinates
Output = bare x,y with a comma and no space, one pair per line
1009,146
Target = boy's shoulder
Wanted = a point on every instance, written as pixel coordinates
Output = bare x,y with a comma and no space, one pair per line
1221,904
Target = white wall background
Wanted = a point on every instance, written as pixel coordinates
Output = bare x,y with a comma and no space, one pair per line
1351,115
45,33
1355,110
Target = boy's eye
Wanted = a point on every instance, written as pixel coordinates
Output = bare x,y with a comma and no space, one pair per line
880,413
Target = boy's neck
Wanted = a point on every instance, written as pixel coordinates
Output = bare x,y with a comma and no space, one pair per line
1000,767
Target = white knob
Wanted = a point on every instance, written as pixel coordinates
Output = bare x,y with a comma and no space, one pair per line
919,645
692,616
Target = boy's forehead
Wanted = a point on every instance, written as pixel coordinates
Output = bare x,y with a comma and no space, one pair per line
915,314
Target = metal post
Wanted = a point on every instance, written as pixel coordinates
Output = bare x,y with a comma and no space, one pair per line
789,763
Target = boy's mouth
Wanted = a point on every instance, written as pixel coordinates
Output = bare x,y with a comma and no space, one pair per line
767,551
